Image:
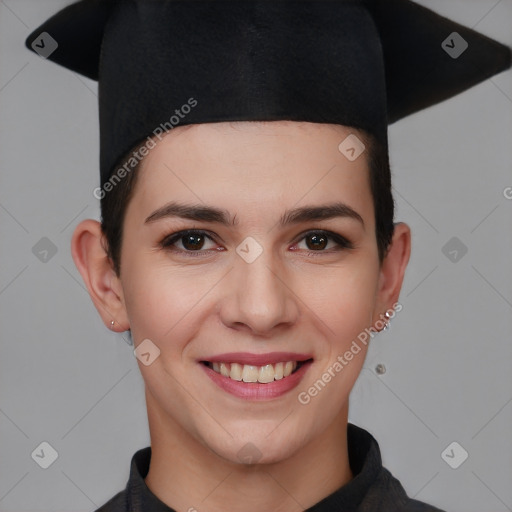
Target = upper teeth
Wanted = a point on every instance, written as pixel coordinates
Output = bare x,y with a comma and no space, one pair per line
251,373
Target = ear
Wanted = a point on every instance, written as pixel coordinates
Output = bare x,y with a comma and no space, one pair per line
392,271
104,286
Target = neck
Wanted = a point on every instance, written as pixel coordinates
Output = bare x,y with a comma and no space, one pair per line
188,477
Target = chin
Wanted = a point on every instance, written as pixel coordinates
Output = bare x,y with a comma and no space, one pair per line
251,454
254,448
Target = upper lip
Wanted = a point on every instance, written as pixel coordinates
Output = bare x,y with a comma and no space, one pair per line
258,359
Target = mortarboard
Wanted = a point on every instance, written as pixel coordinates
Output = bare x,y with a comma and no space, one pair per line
166,63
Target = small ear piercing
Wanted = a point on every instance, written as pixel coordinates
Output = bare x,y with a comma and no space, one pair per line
388,317
112,324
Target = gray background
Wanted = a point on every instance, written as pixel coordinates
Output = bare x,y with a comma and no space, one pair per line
67,380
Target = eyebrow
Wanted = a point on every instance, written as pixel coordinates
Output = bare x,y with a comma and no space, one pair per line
221,216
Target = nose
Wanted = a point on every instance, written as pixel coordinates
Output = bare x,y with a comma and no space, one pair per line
258,296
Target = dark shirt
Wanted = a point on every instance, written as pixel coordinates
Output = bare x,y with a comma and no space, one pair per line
373,488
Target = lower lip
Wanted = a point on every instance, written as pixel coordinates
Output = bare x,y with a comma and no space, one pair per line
256,390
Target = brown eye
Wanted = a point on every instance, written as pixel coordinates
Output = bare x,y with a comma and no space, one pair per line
187,241
316,241
192,242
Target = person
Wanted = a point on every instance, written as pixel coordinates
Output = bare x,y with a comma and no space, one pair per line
247,238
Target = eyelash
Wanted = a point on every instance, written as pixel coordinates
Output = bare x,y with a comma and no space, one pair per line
169,240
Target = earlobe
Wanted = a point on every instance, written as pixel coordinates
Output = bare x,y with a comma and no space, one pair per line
393,270
94,265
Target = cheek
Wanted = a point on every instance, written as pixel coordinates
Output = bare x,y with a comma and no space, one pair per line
345,312
345,299
161,302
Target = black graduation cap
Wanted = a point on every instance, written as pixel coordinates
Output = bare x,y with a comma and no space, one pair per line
167,63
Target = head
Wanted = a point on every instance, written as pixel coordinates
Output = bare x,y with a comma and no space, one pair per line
312,288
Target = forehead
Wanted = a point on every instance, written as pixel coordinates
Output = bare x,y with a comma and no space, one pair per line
247,165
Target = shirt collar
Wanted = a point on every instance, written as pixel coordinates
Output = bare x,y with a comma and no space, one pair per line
364,458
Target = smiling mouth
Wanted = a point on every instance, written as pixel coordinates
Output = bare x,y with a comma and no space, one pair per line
252,373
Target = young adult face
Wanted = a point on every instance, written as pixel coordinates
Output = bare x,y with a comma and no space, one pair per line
251,288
